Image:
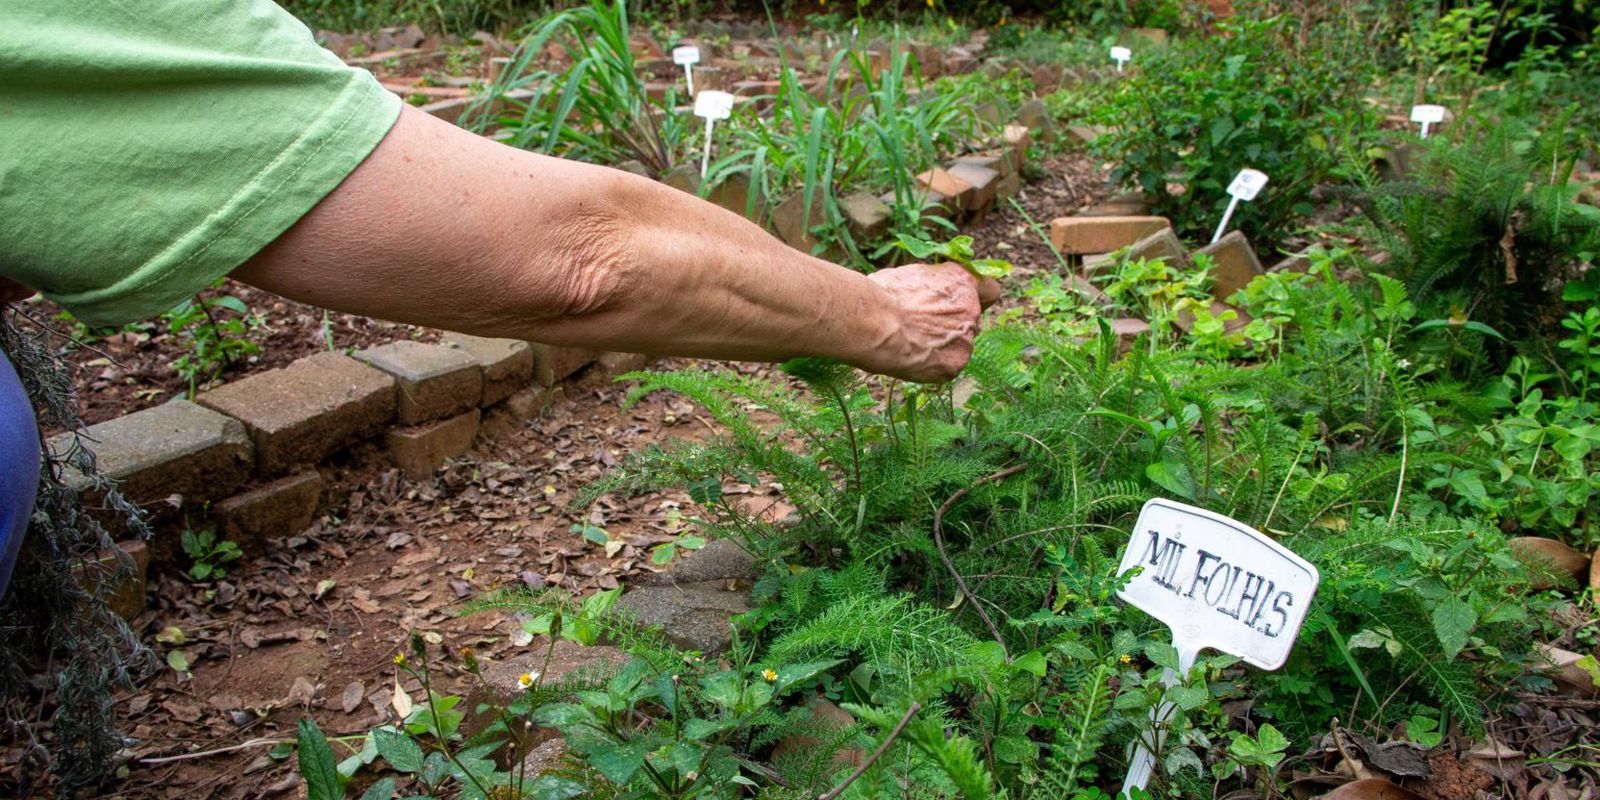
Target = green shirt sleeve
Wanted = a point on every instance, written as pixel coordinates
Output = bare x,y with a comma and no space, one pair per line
149,147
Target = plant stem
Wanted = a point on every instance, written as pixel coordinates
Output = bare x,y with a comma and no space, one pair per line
833,793
938,541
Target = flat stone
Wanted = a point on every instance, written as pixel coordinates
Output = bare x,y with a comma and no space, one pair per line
735,194
125,593
1090,235
554,363
1236,264
1046,78
934,204
684,178
1128,329
722,562
1008,186
1298,262
995,161
435,381
794,225
543,758
505,364
866,216
281,508
1163,245
693,617
568,660
177,448
301,413
1016,139
942,182
1036,117
706,77
614,364
985,182
421,449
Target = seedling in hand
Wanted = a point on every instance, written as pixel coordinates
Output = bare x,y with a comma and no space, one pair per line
1427,115
687,56
1246,185
711,105
958,250
1121,55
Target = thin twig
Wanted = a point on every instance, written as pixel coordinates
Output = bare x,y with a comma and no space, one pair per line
876,754
938,541
218,751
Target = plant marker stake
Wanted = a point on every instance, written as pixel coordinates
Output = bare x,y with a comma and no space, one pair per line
687,56
1246,185
1216,583
1121,55
1427,115
712,105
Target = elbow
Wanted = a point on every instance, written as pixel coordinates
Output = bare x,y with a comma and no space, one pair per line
589,264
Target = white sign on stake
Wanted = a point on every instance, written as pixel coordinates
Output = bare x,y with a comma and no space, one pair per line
1218,584
1427,115
711,105
687,56
1246,185
1121,55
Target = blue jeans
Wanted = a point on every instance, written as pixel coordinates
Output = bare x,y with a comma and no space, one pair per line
19,467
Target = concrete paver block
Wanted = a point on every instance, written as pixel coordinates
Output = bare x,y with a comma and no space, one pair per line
506,364
176,448
435,381
303,412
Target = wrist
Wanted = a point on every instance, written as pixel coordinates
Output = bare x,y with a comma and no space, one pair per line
878,341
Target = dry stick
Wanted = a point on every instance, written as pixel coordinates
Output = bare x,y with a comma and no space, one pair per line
218,751
876,754
938,541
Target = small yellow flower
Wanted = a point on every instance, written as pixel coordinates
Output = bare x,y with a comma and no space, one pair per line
770,674
1126,659
400,659
526,680
930,3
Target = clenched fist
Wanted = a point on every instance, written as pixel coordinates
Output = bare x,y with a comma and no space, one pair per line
936,308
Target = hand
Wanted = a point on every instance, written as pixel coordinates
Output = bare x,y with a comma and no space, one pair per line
937,308
13,292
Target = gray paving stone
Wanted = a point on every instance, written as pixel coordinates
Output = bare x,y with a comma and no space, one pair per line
436,381
304,412
506,364
693,616
178,448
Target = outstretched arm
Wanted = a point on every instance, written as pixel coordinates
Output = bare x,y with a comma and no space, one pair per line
444,228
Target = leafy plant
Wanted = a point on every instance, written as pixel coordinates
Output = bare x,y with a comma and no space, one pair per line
209,553
214,341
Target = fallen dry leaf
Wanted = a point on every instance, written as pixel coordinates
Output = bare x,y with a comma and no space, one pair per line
1371,789
1549,559
354,692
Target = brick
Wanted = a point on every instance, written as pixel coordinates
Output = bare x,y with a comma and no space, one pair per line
1046,78
930,59
1298,262
866,216
1016,139
419,450
505,364
1035,117
435,381
1086,235
985,182
734,194
684,178
553,363
281,508
794,225
614,364
124,594
1127,330
995,161
1008,186
934,204
450,109
1162,245
176,448
301,413
709,78
1236,264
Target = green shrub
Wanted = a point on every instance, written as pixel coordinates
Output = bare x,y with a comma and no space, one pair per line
1253,95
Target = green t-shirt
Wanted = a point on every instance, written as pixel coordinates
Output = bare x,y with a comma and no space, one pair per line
148,148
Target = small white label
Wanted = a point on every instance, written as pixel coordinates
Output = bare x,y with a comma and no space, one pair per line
1217,582
1121,54
1427,114
1247,184
713,105
685,55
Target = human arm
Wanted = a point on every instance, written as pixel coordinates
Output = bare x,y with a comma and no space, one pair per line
445,228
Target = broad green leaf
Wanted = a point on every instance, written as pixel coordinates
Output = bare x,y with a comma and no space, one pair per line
697,729
1032,662
1453,621
1188,698
562,715
551,787
382,790
401,751
723,688
619,763
990,267
317,767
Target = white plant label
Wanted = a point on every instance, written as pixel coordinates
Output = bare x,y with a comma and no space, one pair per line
1121,55
1246,185
711,105
687,56
1427,116
1218,584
